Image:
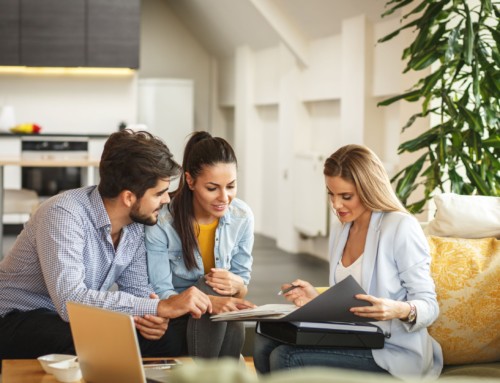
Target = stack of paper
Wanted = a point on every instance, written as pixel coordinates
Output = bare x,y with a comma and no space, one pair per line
270,311
336,326
333,305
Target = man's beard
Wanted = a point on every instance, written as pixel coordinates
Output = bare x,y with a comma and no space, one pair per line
136,216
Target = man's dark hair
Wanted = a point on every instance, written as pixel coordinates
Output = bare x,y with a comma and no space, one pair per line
134,161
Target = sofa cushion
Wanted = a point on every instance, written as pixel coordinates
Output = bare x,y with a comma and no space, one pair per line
464,216
467,277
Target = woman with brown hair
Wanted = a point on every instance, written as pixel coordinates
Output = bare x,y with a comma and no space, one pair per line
204,238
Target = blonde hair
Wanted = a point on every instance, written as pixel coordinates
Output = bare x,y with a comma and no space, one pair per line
362,167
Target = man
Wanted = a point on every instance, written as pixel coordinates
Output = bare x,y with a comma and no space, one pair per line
80,243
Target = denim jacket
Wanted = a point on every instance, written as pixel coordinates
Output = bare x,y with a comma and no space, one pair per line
233,250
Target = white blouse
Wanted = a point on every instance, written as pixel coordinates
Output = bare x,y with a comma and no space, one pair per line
342,272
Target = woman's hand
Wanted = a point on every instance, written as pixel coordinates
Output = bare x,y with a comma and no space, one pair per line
300,295
224,304
225,282
381,309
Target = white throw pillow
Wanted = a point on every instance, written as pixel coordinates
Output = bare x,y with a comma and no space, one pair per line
465,216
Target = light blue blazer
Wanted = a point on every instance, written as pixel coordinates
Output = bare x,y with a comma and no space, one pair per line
396,265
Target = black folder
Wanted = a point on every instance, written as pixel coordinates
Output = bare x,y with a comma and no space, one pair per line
345,335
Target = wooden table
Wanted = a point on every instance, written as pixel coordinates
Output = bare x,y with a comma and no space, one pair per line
30,371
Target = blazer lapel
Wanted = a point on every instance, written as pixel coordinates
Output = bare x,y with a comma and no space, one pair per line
370,253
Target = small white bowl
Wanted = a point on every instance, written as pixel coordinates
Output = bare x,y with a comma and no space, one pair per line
47,360
67,371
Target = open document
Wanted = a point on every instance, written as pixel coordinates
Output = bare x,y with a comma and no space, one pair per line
331,306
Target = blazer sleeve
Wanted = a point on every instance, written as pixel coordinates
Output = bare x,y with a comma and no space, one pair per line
412,256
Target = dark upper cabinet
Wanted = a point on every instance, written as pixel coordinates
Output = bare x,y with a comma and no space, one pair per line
113,30
70,33
53,32
9,32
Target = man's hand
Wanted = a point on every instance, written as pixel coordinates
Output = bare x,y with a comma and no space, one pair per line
191,301
151,327
224,304
225,282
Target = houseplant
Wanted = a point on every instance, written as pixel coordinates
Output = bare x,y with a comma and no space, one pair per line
459,40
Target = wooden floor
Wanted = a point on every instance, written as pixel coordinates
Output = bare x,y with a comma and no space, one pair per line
249,364
272,267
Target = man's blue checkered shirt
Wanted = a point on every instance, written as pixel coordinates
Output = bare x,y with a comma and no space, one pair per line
65,253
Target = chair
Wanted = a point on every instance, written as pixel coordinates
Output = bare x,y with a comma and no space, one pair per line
19,204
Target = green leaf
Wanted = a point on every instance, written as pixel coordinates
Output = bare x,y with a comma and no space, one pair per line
451,106
472,119
431,80
406,183
419,8
495,34
492,142
468,37
422,141
409,96
396,32
456,181
396,7
474,177
424,60
417,207
452,49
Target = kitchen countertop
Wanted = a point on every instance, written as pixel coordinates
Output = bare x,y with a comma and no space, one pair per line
90,135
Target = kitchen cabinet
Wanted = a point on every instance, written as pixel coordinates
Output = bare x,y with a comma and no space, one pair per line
53,33
113,33
70,33
9,32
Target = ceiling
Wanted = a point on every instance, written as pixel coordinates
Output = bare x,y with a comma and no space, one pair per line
223,25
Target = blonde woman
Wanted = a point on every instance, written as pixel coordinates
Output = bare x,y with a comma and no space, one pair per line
383,247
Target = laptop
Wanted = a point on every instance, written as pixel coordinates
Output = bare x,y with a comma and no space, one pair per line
107,347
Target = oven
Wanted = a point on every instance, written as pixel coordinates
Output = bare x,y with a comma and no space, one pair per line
49,181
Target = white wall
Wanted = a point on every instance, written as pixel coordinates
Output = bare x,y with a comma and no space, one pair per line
69,103
330,103
169,50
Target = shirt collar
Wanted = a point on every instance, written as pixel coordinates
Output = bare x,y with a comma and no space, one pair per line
101,215
102,218
226,218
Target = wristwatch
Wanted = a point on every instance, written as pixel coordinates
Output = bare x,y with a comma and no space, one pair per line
412,316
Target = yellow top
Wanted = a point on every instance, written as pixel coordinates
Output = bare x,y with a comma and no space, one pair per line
321,290
206,244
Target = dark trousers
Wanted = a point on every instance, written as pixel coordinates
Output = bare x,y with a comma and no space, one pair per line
30,334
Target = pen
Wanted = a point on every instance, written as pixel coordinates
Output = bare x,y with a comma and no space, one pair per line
288,289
